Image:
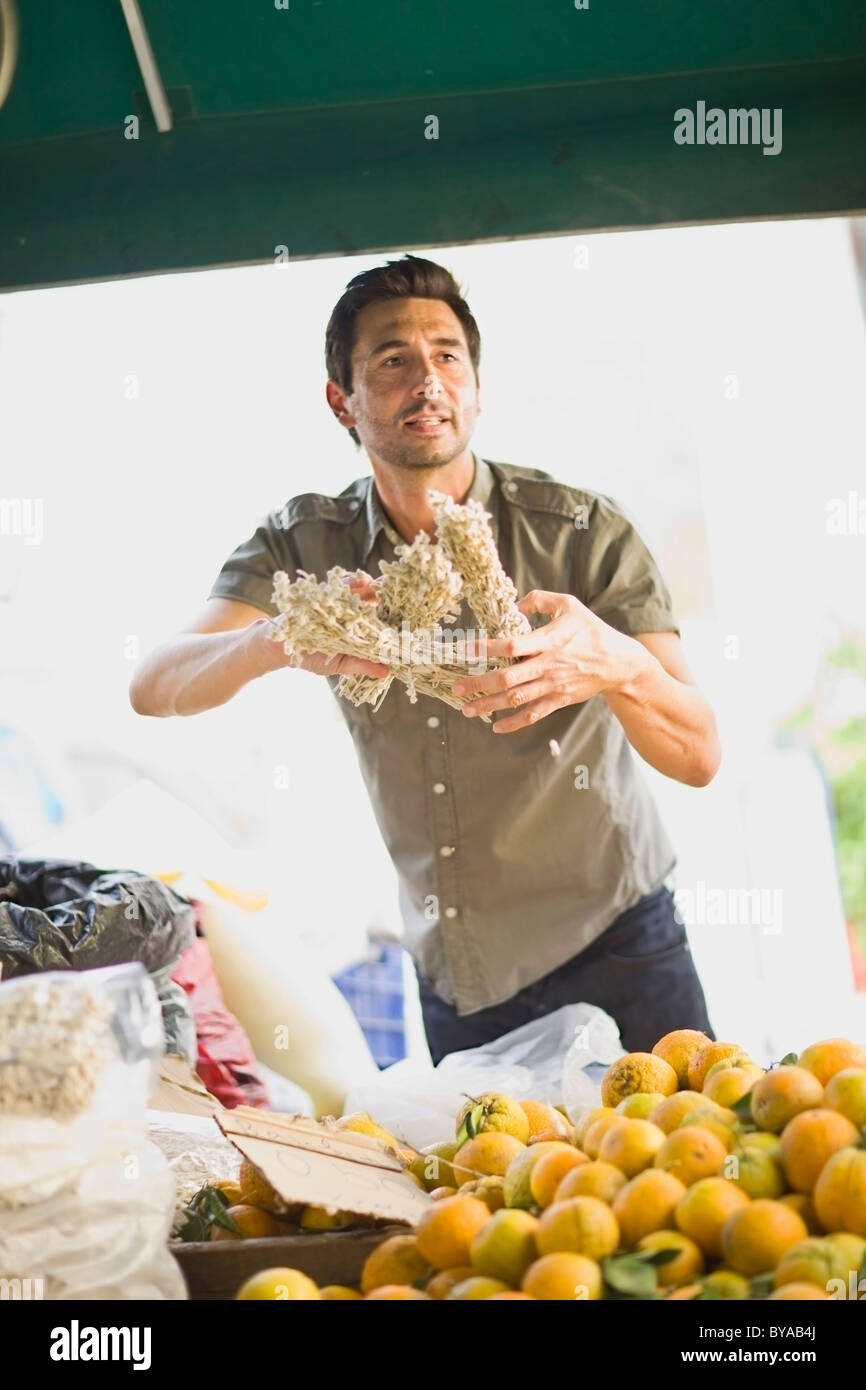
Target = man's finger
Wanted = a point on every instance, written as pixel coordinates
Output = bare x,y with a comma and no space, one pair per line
517,697
502,678
531,714
543,601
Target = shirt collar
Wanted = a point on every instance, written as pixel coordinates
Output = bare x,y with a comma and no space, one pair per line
483,483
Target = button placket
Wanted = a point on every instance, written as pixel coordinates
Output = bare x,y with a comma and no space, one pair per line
444,828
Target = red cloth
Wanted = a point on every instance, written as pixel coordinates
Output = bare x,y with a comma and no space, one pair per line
226,1062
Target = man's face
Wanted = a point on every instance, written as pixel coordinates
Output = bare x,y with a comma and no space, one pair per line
414,398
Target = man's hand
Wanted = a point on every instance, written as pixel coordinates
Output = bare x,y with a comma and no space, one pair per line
645,681
317,662
571,658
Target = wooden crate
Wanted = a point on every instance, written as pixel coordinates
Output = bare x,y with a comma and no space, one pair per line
217,1270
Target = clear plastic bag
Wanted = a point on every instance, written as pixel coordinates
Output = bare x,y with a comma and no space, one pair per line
86,1201
559,1059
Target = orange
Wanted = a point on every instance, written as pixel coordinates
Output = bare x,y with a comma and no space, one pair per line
724,1283
781,1094
640,1105
832,1055
755,1170
395,1293
445,1232
816,1260
583,1225
587,1118
795,1293
704,1057
396,1261
703,1210
670,1112
678,1048
512,1293
505,1247
731,1084
321,1219
477,1287
846,1092
487,1155
804,1205
755,1238
492,1110
691,1154
257,1191
545,1122
689,1263
594,1179
278,1284
809,1140
631,1146
444,1279
595,1134
637,1071
549,1171
563,1277
518,1192
433,1165
338,1293
251,1220
647,1203
721,1122
840,1192
491,1190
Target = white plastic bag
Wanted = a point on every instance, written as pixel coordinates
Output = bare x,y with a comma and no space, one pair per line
559,1059
86,1201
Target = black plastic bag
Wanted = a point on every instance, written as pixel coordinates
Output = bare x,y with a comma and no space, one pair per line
60,914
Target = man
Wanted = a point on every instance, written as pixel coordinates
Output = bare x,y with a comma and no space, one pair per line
531,859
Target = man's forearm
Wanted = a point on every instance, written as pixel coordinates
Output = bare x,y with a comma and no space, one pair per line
667,721
197,671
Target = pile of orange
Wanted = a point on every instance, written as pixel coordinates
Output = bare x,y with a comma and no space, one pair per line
700,1176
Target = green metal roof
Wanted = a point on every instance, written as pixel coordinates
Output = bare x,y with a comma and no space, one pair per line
305,126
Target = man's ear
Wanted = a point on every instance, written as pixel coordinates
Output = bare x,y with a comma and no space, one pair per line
339,404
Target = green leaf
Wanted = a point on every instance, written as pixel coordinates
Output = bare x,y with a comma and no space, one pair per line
761,1285
630,1275
789,1059
742,1108
658,1257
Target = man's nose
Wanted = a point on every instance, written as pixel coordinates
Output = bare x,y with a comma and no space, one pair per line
428,385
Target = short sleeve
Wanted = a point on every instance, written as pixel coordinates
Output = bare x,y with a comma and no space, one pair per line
248,573
616,575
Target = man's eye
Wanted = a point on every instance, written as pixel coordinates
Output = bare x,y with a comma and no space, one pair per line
388,360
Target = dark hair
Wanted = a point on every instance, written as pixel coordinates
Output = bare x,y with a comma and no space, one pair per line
410,278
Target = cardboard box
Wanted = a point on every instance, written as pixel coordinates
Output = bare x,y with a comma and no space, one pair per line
311,1163
217,1271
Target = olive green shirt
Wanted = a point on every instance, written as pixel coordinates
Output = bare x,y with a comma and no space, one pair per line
512,855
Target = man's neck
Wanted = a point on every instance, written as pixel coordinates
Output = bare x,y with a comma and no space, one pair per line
403,493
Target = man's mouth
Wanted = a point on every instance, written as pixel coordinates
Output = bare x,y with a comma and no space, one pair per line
427,424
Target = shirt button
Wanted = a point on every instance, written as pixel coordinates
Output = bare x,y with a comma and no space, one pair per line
510,487
433,722
446,850
451,912
438,788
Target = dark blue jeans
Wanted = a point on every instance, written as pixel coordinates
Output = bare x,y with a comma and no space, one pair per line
639,970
